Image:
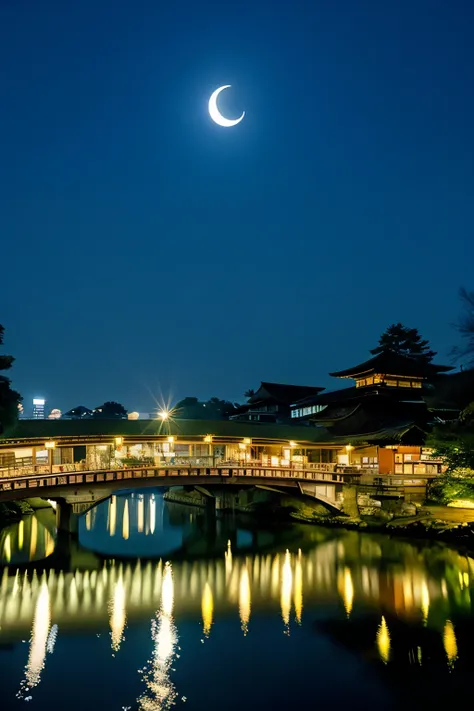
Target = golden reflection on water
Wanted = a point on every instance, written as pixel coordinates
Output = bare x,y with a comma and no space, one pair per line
207,607
25,541
298,588
286,588
346,589
112,516
118,614
383,641
21,535
125,522
450,644
428,588
244,598
33,537
425,600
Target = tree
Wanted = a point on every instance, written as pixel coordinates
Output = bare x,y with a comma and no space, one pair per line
249,393
190,408
465,326
110,410
454,443
404,341
9,399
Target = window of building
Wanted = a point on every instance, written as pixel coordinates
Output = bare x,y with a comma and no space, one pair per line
391,383
404,384
416,383
378,379
360,383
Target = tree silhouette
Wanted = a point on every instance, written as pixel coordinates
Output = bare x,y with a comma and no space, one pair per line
110,410
249,393
405,341
9,399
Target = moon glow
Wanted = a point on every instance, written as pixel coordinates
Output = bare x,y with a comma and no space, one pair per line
216,115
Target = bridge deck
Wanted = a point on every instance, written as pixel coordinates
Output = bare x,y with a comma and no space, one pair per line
36,481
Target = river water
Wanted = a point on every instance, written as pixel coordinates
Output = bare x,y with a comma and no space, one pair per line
158,605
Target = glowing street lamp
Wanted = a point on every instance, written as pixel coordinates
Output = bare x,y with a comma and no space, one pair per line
164,415
349,449
50,446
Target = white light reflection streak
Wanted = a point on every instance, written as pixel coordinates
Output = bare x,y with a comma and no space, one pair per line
118,614
39,639
161,693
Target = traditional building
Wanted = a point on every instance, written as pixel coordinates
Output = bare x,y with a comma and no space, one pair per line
383,418
272,402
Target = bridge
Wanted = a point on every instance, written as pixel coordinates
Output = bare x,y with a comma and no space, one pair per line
83,462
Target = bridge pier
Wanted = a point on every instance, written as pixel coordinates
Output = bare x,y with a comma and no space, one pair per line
350,505
66,520
225,501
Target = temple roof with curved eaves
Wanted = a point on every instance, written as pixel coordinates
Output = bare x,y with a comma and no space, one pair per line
390,363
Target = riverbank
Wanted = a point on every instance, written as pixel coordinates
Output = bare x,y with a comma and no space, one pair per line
454,527
427,524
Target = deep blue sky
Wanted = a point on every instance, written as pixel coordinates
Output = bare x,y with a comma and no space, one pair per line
146,250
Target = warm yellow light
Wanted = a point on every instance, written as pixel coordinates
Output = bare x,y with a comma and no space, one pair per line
383,641
286,588
292,445
425,601
118,614
50,444
163,414
450,644
171,440
242,445
349,447
207,607
346,589
247,440
208,439
244,599
125,522
119,441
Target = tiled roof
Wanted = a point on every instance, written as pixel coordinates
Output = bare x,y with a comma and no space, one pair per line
391,363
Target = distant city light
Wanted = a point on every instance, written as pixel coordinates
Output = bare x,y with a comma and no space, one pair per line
164,415
38,408
54,414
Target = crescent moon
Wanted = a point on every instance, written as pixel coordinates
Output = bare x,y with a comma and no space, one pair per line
216,115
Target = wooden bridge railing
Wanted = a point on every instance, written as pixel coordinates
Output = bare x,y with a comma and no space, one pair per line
32,470
75,476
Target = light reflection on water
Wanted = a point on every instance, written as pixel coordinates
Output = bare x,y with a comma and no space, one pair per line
391,602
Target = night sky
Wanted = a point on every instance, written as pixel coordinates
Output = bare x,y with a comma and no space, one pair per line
145,250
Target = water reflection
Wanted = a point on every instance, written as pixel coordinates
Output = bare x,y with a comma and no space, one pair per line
389,602
28,540
118,615
383,641
160,692
450,644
